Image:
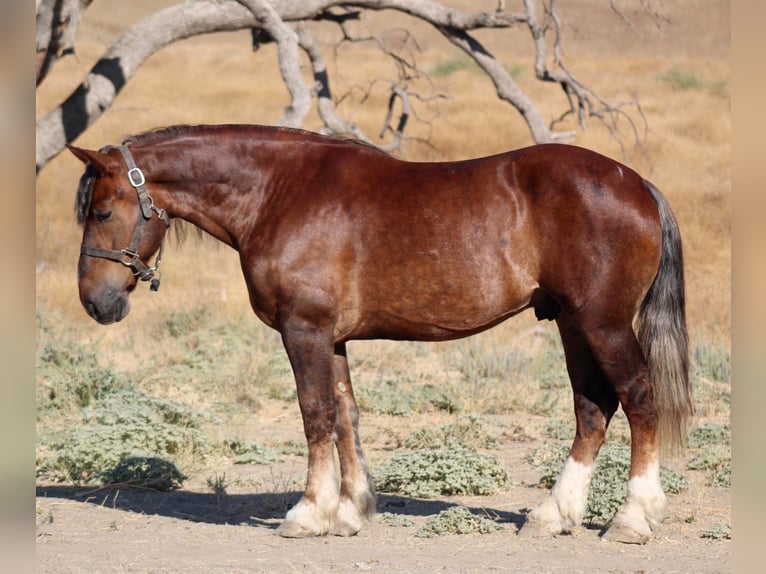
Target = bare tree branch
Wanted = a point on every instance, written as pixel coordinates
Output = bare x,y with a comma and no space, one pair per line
194,17
583,101
289,62
507,88
280,21
55,28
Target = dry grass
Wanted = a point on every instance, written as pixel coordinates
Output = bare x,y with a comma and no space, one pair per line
218,79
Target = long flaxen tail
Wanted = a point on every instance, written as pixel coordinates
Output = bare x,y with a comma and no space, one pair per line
664,338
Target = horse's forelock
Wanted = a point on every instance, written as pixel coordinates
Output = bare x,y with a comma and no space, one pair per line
85,189
85,193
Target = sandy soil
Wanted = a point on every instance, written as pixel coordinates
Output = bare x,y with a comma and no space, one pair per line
85,530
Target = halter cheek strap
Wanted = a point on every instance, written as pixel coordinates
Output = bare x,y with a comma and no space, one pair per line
129,256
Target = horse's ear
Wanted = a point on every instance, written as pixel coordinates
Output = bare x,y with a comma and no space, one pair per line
101,161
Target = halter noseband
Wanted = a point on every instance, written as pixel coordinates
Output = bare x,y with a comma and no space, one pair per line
129,256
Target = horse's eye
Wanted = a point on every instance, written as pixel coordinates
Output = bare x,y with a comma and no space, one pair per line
103,215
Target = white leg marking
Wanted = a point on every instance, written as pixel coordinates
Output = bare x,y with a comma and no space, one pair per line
644,507
357,504
317,517
571,491
565,507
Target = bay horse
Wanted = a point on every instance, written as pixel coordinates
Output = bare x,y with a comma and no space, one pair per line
340,241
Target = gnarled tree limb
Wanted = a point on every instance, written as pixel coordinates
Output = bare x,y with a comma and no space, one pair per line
281,20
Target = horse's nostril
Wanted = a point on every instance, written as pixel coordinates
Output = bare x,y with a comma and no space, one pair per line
90,308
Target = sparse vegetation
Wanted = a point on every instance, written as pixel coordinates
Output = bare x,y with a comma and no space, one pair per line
391,519
144,472
682,79
456,520
722,532
466,432
427,473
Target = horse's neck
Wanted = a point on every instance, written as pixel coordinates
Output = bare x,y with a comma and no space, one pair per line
215,190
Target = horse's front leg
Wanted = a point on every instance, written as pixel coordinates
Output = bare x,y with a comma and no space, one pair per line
357,491
310,350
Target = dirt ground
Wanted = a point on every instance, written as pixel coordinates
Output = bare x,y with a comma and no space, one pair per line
193,530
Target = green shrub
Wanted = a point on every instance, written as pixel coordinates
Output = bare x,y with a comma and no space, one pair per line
710,434
123,425
722,532
716,460
144,472
70,377
443,471
84,453
390,519
456,520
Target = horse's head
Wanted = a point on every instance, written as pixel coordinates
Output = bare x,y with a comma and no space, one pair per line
119,232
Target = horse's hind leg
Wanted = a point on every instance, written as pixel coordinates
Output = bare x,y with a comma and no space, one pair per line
594,403
623,363
357,491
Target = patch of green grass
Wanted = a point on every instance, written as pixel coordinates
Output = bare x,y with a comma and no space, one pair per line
444,471
558,429
459,62
498,379
680,79
454,64
714,442
456,520
480,361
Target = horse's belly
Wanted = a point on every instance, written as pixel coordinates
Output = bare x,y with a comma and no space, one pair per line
438,306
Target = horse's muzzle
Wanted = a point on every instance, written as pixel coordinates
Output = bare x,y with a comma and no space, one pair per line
110,307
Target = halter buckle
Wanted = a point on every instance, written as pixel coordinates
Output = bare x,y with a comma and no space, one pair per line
133,257
136,177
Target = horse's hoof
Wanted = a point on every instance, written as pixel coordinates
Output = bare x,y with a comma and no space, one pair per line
536,530
341,529
625,534
290,529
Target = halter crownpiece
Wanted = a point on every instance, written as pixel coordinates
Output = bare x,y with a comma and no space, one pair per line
129,256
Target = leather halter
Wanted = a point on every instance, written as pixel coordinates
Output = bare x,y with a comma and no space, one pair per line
129,256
